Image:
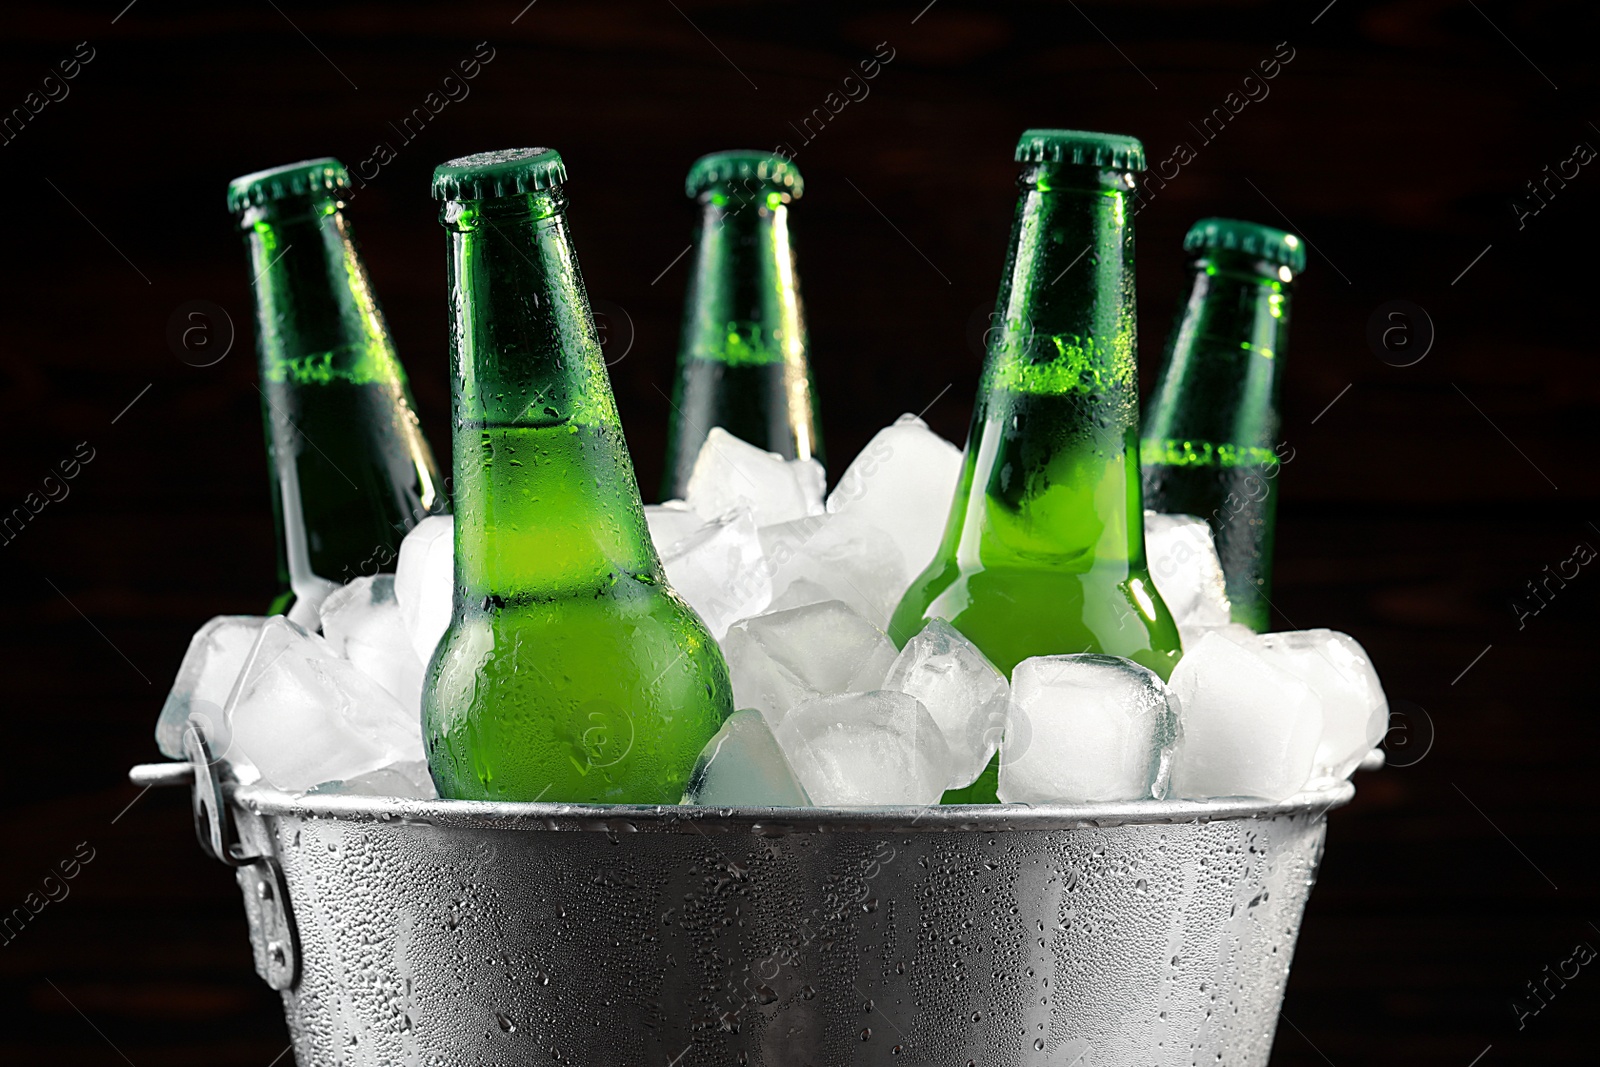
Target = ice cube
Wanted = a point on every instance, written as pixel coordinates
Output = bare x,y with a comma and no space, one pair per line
408,780
1355,713
902,483
743,766
719,570
424,582
961,689
212,664
1182,556
849,559
302,715
866,748
670,522
729,473
812,479
782,658
362,622
1238,633
1086,728
798,594
1249,728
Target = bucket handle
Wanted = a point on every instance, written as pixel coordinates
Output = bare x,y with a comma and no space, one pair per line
272,930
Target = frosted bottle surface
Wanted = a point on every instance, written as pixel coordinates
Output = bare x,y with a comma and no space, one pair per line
570,670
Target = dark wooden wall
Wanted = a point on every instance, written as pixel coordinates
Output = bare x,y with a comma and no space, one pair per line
1398,140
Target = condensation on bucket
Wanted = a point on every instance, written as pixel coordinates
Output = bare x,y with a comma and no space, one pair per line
465,934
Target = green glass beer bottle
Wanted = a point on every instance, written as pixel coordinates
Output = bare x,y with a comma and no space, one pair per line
742,359
570,670
351,470
1043,552
1210,429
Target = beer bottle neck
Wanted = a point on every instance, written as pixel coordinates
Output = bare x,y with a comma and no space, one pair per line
317,319
1066,306
1050,482
1219,384
744,302
525,340
541,469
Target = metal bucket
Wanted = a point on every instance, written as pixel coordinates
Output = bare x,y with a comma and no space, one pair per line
453,933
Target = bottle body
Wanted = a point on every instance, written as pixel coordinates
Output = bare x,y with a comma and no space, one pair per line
570,670
1043,552
1209,446
742,360
351,470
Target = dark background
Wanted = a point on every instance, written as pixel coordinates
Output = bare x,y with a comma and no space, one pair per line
1416,507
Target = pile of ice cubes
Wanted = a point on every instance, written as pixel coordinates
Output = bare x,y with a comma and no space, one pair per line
335,711
798,588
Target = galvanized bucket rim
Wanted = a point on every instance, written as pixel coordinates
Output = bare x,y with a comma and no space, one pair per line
264,800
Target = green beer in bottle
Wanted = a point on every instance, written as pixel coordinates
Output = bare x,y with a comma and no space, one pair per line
350,468
742,360
570,671
1210,429
1043,552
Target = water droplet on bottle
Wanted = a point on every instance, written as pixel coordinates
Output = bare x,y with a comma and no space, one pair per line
1038,1043
505,1022
866,1033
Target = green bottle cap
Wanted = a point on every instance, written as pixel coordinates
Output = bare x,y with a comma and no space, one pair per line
296,179
507,172
1266,242
720,167
1080,146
